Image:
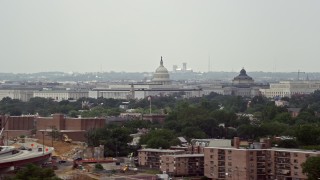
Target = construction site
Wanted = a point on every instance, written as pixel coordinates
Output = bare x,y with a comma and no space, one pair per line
74,160
61,148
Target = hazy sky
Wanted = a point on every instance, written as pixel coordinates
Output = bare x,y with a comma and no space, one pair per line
131,35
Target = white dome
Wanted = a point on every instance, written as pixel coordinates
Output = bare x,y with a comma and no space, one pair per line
161,75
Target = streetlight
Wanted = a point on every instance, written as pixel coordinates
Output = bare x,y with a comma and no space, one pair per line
51,136
7,138
43,142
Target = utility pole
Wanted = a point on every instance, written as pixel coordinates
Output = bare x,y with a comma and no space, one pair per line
42,142
52,136
149,98
7,138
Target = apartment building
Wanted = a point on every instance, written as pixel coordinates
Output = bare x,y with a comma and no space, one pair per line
183,164
151,157
255,164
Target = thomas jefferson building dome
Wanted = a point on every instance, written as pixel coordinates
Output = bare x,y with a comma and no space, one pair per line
161,76
242,79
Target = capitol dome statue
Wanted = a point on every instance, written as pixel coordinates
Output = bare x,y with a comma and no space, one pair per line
161,76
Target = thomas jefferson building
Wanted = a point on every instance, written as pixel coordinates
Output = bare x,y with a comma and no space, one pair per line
242,85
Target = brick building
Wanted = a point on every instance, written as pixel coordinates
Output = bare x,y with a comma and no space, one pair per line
17,125
151,157
183,164
75,128
255,164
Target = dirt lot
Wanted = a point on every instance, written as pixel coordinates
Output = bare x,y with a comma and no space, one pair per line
60,147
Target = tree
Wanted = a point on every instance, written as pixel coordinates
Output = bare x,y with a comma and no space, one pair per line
308,134
312,168
288,143
98,167
33,172
163,138
54,133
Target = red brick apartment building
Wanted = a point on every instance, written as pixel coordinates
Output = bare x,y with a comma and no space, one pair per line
183,164
255,164
151,157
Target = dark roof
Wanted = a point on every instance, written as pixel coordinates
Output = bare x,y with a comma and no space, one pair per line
243,75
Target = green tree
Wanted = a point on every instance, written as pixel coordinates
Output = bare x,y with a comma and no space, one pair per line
98,167
308,134
163,138
312,168
33,172
288,143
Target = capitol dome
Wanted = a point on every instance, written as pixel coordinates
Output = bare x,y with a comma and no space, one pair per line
161,75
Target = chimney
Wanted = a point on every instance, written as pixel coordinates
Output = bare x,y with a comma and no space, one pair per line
236,142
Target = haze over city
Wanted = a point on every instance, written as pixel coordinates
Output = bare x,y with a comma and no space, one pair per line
90,36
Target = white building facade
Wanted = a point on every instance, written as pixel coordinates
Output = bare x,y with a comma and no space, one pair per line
289,88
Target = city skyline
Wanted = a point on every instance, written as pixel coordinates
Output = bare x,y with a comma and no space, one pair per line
81,36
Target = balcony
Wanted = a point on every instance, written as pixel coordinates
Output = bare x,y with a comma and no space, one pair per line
261,166
284,172
261,159
221,169
282,154
259,154
283,161
221,163
221,157
221,152
261,172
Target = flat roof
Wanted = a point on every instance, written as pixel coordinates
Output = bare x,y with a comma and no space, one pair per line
159,150
270,149
186,155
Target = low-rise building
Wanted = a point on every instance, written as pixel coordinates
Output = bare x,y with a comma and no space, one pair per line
74,128
151,157
59,95
20,94
289,88
17,125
